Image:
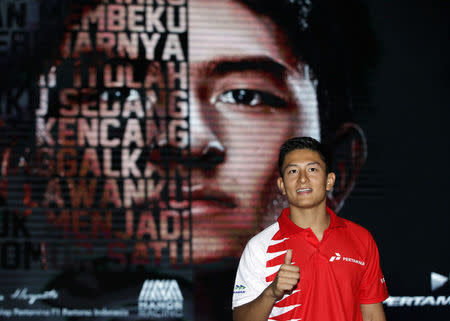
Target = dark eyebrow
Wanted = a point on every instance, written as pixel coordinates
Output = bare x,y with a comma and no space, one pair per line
295,165
220,67
288,166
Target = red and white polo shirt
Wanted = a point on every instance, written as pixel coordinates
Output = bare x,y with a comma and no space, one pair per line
336,275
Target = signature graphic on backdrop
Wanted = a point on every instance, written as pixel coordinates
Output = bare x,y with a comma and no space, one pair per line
22,294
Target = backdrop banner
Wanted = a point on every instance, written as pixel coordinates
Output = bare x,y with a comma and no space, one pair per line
139,146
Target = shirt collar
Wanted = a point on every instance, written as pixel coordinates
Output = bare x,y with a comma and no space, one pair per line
289,228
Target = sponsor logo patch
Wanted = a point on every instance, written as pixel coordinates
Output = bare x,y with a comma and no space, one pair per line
239,288
338,257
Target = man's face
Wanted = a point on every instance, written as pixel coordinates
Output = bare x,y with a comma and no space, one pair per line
305,180
247,94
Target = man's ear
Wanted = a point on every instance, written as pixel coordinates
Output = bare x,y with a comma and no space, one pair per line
349,153
280,184
331,178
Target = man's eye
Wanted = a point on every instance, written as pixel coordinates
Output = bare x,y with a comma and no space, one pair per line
251,98
121,95
292,171
313,169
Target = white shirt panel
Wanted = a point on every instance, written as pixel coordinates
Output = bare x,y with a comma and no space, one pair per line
251,274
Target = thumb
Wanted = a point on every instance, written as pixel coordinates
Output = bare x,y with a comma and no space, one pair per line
288,257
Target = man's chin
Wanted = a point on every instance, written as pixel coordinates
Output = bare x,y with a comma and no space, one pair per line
210,250
208,208
215,245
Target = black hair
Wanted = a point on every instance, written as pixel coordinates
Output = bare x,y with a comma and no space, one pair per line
296,143
336,41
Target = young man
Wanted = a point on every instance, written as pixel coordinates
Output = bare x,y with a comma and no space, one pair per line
309,265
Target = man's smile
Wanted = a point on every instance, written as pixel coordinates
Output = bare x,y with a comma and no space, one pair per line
210,195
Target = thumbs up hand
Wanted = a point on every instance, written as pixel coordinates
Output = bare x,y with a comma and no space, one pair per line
288,257
287,277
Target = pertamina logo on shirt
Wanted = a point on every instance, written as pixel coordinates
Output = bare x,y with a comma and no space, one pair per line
337,257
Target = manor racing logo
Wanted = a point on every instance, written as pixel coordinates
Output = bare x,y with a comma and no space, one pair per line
338,257
160,299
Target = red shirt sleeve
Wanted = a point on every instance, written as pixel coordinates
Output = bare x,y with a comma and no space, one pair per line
373,285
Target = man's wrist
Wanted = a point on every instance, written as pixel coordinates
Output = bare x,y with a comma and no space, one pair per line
270,293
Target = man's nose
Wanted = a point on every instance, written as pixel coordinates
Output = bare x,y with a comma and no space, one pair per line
302,177
207,149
